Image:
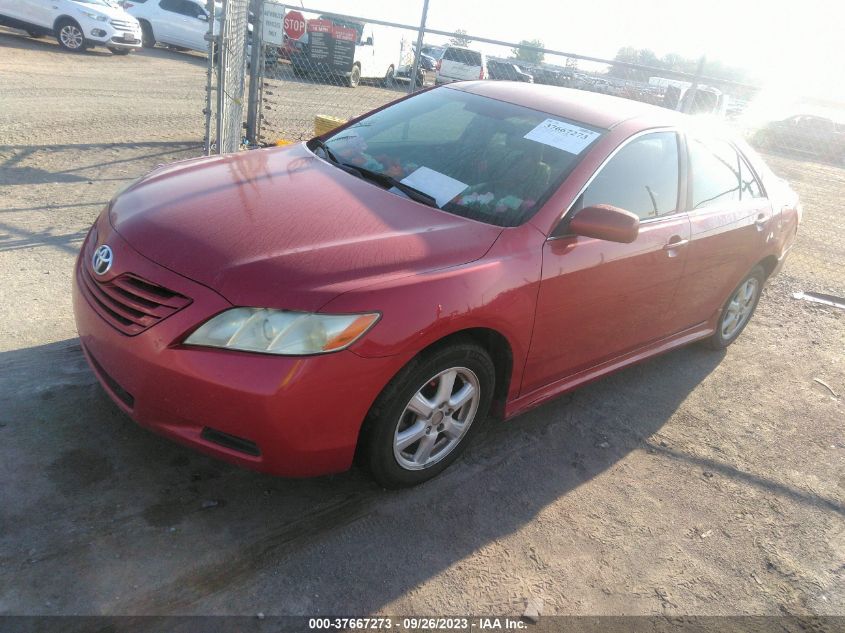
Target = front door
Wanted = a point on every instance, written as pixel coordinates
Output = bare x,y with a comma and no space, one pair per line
598,299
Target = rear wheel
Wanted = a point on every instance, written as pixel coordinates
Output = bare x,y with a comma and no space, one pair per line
69,35
427,415
355,76
738,309
148,39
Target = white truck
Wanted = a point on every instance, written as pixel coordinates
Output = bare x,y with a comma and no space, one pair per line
336,47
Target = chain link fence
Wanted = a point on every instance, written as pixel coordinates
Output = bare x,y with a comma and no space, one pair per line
228,49
322,68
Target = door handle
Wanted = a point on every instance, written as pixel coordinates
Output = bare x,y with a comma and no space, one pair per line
670,246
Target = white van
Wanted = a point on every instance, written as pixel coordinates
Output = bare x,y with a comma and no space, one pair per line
377,54
460,64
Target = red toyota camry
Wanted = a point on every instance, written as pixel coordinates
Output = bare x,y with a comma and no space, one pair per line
378,291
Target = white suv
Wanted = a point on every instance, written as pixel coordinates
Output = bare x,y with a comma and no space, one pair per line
460,64
77,24
177,23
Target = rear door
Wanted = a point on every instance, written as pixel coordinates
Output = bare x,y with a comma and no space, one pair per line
599,300
731,222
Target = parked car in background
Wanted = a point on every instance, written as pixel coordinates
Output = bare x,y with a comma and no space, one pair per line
550,76
182,24
507,71
460,64
812,135
76,24
427,68
378,290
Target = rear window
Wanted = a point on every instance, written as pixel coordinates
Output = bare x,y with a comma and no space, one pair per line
464,56
480,158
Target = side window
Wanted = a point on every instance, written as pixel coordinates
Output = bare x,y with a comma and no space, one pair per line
171,5
750,186
715,173
641,178
192,9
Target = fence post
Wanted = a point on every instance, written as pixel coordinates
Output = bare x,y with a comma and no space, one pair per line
256,74
418,52
699,73
209,80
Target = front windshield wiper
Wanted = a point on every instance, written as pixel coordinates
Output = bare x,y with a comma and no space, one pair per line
376,176
318,143
389,181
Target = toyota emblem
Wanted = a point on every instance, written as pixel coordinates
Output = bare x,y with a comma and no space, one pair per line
102,260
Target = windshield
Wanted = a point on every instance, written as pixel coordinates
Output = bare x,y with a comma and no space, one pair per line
99,3
477,157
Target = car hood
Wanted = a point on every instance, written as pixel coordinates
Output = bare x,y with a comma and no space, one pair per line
111,12
282,228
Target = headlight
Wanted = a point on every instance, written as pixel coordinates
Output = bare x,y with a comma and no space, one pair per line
282,332
95,16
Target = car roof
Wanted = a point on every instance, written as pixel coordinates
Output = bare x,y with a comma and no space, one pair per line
592,108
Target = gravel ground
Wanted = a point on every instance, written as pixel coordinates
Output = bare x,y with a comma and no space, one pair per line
695,483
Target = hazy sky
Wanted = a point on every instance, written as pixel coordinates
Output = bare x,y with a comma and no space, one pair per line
795,44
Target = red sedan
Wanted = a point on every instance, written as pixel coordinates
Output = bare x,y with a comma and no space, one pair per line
378,291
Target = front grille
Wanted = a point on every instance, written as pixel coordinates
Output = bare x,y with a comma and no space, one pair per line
123,25
128,303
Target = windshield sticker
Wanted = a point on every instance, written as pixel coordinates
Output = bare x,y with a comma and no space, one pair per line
439,186
570,138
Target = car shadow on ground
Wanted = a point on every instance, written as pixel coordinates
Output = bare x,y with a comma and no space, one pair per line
177,532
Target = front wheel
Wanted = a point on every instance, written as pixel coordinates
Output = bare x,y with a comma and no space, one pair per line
70,36
389,77
738,309
426,416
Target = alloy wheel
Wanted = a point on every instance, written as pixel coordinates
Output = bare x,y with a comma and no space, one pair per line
71,36
739,308
436,418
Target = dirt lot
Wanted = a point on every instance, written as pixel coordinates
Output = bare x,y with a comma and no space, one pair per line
696,483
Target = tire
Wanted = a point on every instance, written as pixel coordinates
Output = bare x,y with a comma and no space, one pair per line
389,77
443,432
740,305
69,35
148,39
120,51
354,76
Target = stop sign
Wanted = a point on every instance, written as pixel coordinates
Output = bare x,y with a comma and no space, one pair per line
294,25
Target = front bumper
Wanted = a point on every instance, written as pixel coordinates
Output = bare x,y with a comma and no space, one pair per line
114,33
302,415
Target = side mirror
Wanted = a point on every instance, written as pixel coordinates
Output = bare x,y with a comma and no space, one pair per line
368,41
203,17
606,222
